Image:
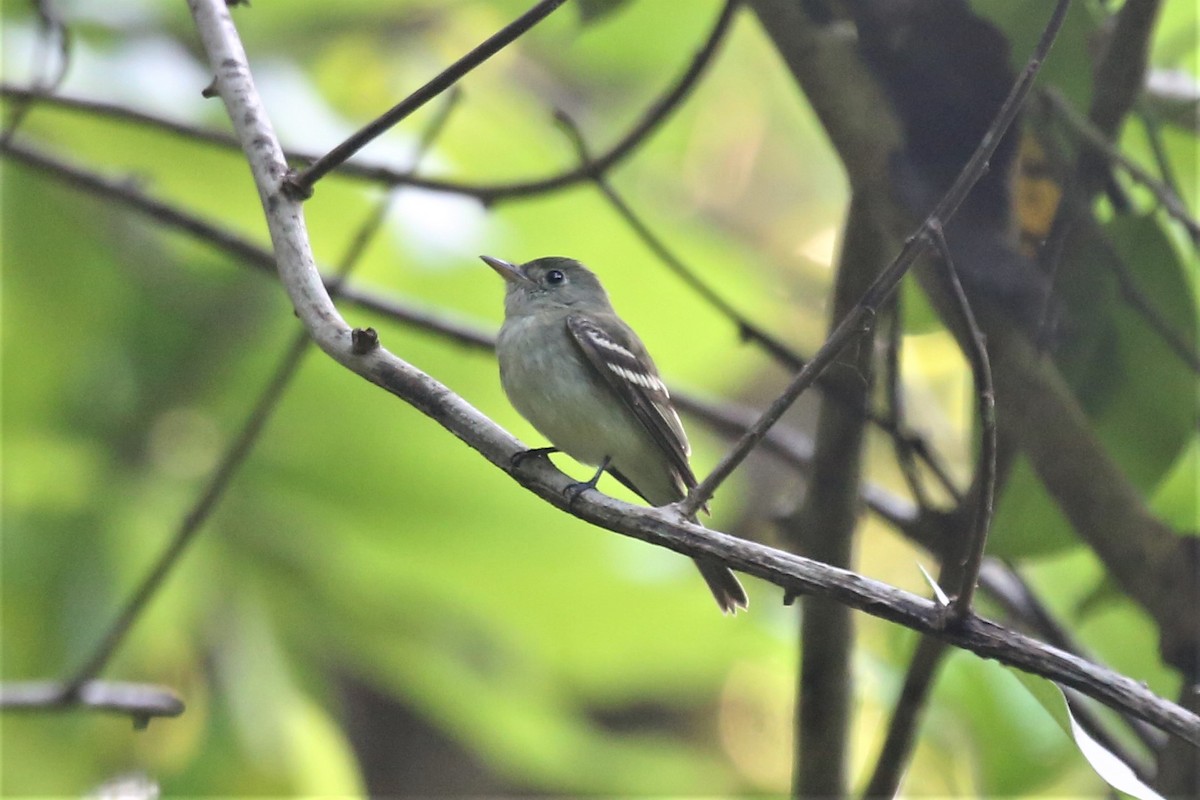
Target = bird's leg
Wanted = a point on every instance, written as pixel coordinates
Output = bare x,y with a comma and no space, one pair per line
532,452
575,489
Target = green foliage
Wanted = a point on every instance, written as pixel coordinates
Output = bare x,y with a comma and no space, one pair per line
362,545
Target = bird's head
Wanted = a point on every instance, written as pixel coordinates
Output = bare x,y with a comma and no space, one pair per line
549,283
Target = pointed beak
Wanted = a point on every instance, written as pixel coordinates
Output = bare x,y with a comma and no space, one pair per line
510,272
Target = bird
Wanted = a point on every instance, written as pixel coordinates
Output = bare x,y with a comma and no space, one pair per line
581,376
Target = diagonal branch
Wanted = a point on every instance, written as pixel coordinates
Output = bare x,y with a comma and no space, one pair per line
647,124
47,80
661,527
965,568
73,690
905,440
863,315
1098,144
302,183
961,561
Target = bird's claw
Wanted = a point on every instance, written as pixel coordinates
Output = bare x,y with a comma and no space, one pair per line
520,458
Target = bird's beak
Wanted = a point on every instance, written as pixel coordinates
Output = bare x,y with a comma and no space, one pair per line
510,272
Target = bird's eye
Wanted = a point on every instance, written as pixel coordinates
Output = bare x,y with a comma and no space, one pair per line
555,277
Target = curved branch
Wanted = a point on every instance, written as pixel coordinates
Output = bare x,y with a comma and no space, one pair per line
649,122
302,182
728,419
661,527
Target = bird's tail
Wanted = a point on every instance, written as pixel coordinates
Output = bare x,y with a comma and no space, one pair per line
724,585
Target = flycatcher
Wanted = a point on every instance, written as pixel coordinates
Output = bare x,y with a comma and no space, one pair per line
582,377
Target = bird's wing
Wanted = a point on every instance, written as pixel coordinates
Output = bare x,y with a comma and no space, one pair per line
621,360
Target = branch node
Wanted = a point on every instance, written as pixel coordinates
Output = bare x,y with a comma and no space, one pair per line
953,618
210,91
363,341
294,187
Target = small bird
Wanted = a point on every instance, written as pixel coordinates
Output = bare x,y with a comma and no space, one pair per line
583,378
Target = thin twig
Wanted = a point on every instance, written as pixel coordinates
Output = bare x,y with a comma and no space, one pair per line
1094,139
893,389
1074,212
302,182
985,471
662,527
905,440
1181,346
238,247
141,701
116,111
239,448
927,658
51,26
1153,130
726,418
862,316
747,328
906,717
647,124
855,324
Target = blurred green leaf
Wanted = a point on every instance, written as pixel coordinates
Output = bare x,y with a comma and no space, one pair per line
1135,388
591,11
1115,772
361,540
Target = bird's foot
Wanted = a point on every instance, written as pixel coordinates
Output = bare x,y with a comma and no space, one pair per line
575,489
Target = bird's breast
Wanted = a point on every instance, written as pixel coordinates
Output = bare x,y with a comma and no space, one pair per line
549,383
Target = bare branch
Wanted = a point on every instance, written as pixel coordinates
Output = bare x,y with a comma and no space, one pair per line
45,79
863,315
1095,140
905,440
232,458
141,701
984,496
302,183
646,125
662,527
1153,129
239,448
238,247
1009,589
822,527
894,394
906,716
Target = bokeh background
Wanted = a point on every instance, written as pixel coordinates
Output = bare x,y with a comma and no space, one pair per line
372,604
